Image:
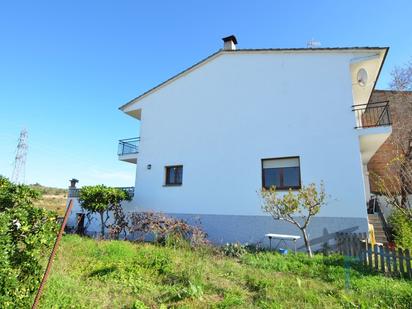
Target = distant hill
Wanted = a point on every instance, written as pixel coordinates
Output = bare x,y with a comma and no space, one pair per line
52,198
48,190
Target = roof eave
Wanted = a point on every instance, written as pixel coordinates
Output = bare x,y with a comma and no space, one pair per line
379,72
124,106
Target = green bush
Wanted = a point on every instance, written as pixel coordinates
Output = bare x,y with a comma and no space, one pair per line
402,229
235,250
25,233
101,199
138,304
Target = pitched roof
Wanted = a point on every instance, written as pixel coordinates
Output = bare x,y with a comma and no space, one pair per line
393,91
221,51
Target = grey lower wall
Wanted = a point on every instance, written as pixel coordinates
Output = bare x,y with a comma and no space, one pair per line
223,229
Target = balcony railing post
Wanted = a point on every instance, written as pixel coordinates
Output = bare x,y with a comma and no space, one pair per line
128,146
373,114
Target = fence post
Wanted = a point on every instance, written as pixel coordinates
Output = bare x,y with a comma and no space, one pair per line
395,261
401,259
364,246
388,259
382,258
366,250
408,263
375,255
339,243
359,242
356,245
370,256
343,243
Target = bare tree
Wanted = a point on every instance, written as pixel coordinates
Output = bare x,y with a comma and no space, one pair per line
395,183
402,78
297,208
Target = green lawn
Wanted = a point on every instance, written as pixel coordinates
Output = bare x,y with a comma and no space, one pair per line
119,274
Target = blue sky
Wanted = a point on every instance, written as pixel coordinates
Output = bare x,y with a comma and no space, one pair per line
66,66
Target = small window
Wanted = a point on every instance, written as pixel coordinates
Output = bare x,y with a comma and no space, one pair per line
283,173
174,175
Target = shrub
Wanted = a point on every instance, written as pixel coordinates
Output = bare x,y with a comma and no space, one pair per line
101,199
402,229
138,304
25,234
235,250
165,229
296,208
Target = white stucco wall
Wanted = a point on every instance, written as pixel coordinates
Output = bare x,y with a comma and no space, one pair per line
220,120
92,227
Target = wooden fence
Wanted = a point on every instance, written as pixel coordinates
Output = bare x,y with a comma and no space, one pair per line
380,258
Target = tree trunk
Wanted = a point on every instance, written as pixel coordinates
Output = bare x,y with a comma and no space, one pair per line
403,184
307,243
102,225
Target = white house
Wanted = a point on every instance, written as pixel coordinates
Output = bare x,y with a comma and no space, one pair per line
213,135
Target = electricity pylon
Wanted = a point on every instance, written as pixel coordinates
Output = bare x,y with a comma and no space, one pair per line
19,170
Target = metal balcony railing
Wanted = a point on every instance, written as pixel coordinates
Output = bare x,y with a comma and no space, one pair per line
75,192
128,146
374,114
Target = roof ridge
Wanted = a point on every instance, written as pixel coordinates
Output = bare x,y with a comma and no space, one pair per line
310,49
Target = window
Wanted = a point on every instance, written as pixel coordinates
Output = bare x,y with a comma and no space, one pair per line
174,175
284,173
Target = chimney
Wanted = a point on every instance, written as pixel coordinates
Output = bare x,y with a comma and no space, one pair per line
229,43
73,183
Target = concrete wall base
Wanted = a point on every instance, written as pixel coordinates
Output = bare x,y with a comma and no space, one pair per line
222,229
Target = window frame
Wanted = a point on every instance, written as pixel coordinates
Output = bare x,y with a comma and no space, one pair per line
167,182
282,188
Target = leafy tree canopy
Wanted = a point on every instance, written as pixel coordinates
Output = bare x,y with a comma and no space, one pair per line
13,195
295,207
101,199
25,234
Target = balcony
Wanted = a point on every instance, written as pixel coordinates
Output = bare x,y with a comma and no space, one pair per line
373,124
370,115
128,149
